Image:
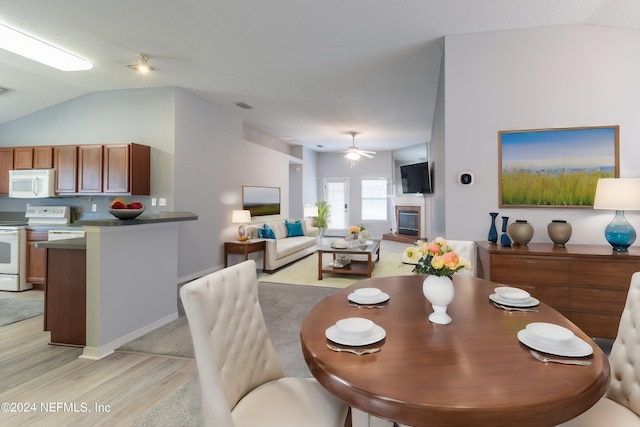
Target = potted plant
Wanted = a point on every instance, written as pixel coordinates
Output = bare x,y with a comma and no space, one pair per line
323,215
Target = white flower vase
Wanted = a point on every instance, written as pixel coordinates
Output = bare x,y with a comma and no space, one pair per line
439,291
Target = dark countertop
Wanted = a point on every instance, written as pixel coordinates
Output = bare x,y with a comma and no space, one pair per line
79,243
142,219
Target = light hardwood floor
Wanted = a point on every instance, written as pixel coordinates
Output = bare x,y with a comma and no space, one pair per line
58,389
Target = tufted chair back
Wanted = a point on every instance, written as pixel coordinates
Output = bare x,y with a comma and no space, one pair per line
465,249
625,353
233,351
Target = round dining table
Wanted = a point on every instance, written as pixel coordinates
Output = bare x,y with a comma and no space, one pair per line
471,372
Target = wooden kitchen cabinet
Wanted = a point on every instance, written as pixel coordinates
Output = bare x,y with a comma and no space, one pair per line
65,296
127,169
33,157
36,259
65,160
122,169
23,158
586,283
6,164
43,157
90,169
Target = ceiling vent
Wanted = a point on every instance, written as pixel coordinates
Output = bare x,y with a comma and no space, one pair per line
244,105
3,90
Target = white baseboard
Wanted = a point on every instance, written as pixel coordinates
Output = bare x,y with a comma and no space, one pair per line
95,353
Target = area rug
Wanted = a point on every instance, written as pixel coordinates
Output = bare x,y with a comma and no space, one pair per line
284,307
305,271
16,309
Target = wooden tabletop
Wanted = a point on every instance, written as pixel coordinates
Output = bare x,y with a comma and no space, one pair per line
473,371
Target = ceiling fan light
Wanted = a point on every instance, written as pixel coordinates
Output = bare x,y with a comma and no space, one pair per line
143,64
352,156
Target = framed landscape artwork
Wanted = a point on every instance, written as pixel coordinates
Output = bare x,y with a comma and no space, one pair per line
261,200
555,167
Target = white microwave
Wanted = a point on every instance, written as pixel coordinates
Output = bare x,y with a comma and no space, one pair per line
32,183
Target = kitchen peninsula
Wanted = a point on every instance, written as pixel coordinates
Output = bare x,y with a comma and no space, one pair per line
131,277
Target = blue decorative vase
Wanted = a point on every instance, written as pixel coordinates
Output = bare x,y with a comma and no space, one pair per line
504,237
493,231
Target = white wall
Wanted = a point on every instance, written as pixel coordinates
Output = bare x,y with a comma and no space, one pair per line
565,76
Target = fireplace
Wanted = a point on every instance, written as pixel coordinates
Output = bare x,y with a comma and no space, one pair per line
409,225
409,222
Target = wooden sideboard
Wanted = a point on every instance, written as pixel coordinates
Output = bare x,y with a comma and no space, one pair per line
586,283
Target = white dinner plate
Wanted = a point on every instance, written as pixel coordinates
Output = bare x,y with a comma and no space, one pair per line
378,299
574,348
377,334
532,302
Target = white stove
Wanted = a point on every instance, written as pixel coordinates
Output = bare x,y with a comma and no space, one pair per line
13,256
48,215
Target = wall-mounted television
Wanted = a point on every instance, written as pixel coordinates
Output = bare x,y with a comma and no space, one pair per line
261,200
416,178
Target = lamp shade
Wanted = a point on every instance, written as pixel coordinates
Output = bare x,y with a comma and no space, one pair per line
618,194
240,216
311,211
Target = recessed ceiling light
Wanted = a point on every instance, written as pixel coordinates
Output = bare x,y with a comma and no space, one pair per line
24,45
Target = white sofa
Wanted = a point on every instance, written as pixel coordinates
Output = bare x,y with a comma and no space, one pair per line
283,249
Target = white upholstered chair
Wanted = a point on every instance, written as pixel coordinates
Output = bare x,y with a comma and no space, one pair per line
465,249
241,379
620,407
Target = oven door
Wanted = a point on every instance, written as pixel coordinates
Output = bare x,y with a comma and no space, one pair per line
9,251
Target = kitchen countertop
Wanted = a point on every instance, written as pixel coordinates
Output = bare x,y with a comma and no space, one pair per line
77,243
142,219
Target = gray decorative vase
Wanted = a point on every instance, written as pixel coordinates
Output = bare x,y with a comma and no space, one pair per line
520,232
559,232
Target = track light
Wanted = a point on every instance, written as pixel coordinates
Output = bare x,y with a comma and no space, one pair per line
29,47
143,64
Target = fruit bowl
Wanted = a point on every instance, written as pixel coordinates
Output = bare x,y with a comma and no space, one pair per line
126,213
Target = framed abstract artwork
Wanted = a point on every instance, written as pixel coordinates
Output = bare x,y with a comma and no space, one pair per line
555,167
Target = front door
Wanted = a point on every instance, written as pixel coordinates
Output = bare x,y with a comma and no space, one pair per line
336,193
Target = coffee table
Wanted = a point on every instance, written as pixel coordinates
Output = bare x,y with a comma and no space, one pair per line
360,267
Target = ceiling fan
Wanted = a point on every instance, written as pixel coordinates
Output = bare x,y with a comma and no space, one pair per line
354,153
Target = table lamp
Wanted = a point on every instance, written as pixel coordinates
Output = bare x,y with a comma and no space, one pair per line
618,194
241,217
311,211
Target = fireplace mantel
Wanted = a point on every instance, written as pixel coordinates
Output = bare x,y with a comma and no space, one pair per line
424,203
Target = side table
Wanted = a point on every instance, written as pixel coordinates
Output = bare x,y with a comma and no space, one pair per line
246,248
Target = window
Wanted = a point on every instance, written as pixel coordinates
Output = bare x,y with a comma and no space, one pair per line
374,199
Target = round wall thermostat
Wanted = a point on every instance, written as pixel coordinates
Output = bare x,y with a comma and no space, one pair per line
465,178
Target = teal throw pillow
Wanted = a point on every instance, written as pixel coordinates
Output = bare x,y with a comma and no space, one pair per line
266,232
294,228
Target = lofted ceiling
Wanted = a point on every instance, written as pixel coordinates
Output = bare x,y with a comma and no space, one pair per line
313,71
